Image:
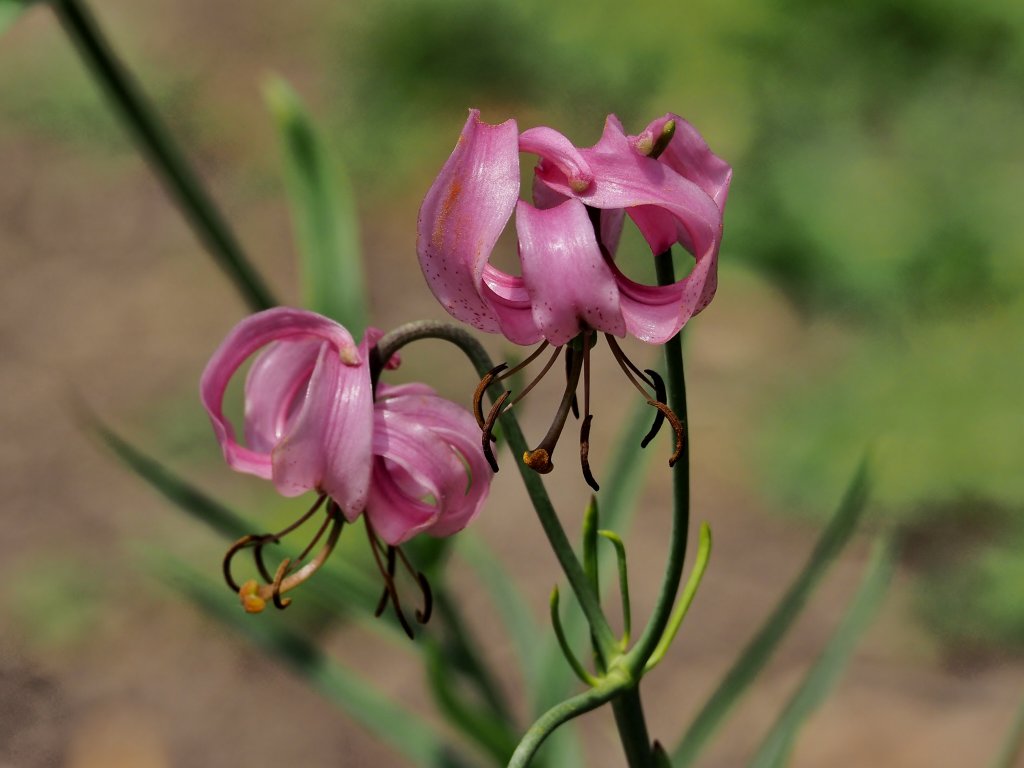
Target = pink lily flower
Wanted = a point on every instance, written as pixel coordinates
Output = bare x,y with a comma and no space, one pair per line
570,282
665,179
406,457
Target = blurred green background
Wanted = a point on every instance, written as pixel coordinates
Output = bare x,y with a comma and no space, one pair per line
872,286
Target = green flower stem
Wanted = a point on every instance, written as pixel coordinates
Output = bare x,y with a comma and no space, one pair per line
161,151
427,329
560,714
637,657
629,714
629,718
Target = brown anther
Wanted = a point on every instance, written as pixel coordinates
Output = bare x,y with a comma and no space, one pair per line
488,426
282,571
423,616
249,596
481,388
661,396
661,142
538,460
387,573
289,575
677,427
585,452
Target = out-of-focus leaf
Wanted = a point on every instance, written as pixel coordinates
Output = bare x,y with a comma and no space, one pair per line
778,744
1013,747
323,212
753,658
337,588
477,723
9,11
509,602
163,154
403,730
187,497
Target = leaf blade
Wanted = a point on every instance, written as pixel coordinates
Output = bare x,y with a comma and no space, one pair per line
760,648
778,743
323,214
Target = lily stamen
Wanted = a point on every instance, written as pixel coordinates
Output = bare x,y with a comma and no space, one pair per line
664,412
538,377
288,576
488,427
392,554
588,417
539,459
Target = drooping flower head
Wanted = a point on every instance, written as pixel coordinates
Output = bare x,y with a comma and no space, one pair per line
665,179
402,455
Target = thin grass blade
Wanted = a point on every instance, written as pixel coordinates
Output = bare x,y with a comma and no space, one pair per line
760,649
10,10
323,214
1013,747
777,746
415,739
161,151
184,495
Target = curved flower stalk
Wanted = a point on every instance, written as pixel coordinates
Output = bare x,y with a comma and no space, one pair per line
402,455
665,179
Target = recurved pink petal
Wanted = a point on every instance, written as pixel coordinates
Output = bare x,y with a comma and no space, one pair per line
626,179
552,147
510,301
463,214
571,286
417,475
689,156
254,332
328,444
275,389
457,427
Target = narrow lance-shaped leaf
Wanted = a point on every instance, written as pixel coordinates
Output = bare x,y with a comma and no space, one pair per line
323,213
778,744
760,649
338,587
184,495
163,154
415,739
9,12
1013,746
477,724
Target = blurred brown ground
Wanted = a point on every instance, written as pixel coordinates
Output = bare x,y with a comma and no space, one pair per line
106,294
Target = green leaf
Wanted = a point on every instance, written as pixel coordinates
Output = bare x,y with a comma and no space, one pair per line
777,746
508,600
338,588
323,212
9,11
160,150
760,649
1013,747
477,723
181,493
414,738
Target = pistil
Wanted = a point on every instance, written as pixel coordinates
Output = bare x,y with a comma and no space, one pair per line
539,459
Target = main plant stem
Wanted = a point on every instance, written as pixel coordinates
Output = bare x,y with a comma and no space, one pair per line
161,151
628,708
